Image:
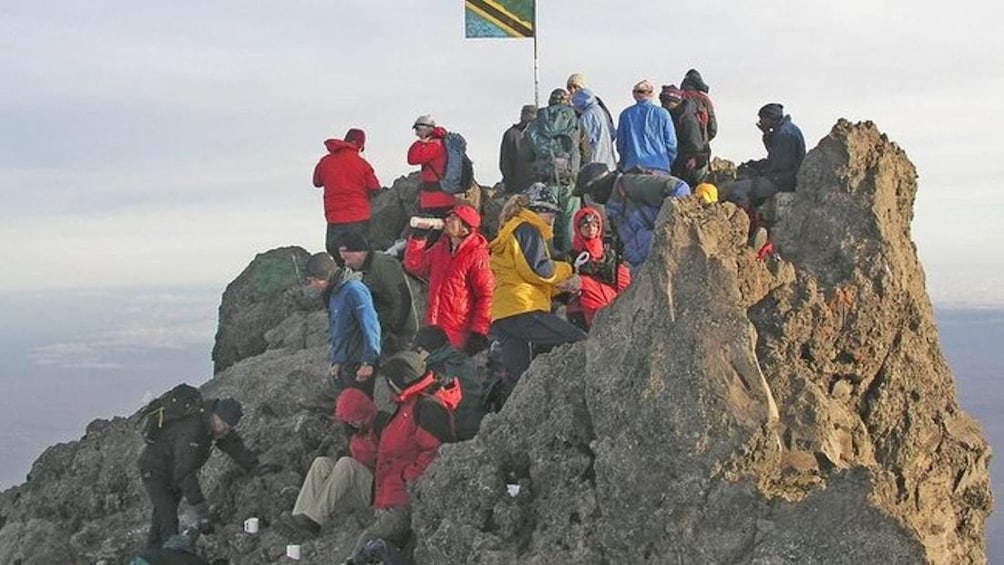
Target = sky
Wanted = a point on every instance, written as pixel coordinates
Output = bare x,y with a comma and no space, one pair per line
165,143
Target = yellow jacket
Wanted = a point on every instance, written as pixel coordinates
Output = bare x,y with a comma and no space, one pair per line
520,288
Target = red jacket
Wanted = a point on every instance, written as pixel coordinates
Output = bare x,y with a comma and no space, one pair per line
603,277
431,155
461,285
348,182
408,444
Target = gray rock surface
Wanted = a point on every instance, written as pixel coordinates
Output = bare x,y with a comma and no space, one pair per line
724,410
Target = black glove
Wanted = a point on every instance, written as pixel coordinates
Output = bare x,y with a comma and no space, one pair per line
476,343
265,469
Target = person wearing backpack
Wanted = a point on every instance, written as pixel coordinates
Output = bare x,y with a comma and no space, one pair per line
429,152
353,325
421,422
632,203
557,148
460,278
693,153
646,139
448,364
694,88
169,464
526,278
349,183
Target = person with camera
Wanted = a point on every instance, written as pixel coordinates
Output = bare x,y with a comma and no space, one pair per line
461,283
429,152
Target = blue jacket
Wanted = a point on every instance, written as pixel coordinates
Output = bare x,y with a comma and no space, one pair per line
633,208
785,152
646,137
598,126
353,326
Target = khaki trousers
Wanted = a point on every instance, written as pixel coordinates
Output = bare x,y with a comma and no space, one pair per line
333,486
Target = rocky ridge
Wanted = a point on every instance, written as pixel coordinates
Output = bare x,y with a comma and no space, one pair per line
724,410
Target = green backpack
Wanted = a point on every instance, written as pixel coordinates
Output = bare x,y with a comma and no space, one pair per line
553,138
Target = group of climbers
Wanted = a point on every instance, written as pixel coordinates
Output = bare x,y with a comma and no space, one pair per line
582,197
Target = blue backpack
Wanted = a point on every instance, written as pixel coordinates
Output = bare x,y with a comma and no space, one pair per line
459,174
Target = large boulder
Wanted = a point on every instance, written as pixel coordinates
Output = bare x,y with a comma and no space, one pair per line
728,410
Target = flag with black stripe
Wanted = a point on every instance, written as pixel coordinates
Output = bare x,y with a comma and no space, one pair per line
498,18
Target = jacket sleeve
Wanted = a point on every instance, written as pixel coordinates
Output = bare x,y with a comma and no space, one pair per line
669,135
336,340
233,445
434,429
424,152
416,257
712,120
370,180
366,316
482,285
537,264
318,181
623,277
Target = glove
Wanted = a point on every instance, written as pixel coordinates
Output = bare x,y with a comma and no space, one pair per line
203,517
476,344
265,469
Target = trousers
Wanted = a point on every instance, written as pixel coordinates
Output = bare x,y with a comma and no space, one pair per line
331,486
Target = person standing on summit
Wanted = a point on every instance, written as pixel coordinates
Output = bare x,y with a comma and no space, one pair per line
349,183
646,139
429,152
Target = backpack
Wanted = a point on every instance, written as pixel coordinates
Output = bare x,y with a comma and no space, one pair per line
553,139
459,173
176,404
703,104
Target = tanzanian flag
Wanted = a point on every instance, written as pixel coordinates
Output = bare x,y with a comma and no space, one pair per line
498,18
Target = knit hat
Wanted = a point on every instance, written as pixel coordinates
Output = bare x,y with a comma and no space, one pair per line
528,113
320,266
404,368
670,93
424,120
643,90
707,192
354,407
693,81
468,215
228,409
357,136
429,338
576,80
558,96
354,241
772,111
543,198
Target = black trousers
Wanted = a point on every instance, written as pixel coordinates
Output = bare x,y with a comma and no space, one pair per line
524,334
164,520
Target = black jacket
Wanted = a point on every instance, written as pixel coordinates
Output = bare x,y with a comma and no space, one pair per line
785,152
689,140
183,448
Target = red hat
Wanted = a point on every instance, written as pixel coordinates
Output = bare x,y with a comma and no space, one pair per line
356,136
354,407
468,215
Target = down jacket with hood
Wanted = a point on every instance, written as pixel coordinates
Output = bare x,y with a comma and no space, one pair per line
604,276
598,125
633,207
348,182
430,154
461,284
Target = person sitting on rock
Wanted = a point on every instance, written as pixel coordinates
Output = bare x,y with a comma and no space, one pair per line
349,184
353,326
429,152
759,180
421,422
526,277
169,466
603,274
388,284
460,278
344,484
432,343
632,203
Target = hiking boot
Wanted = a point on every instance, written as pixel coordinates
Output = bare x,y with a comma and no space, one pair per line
759,239
300,524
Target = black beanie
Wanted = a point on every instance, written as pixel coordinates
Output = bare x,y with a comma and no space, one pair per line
354,241
229,410
321,266
404,369
429,338
772,111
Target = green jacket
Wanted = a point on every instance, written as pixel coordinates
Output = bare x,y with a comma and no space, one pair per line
392,298
448,363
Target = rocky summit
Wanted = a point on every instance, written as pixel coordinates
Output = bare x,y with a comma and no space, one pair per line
796,410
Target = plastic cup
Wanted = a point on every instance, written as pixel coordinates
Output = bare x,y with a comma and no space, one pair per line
251,525
293,552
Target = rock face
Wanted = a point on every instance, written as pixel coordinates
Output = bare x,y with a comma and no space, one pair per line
724,410
727,410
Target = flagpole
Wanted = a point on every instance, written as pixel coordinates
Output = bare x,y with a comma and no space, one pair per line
536,61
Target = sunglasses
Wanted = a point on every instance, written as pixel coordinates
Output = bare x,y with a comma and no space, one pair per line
416,126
